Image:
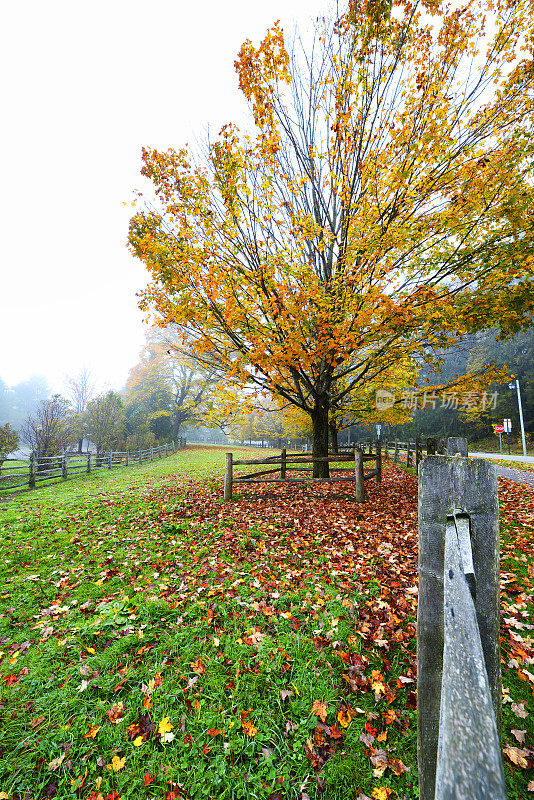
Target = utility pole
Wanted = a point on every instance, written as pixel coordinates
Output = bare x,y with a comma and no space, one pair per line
516,386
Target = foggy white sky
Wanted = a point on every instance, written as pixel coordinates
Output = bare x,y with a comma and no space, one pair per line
84,87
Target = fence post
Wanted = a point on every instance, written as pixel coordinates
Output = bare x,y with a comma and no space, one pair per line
139,456
283,465
358,474
378,461
409,453
228,476
64,467
88,461
152,454
31,479
447,483
418,451
127,458
166,449
110,458
396,456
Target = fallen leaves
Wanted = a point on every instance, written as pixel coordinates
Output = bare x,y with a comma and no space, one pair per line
115,713
517,756
116,764
91,732
319,708
57,762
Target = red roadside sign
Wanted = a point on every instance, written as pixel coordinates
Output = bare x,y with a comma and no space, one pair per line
498,428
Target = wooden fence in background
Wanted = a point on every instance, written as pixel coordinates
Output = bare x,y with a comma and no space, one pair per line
280,465
16,473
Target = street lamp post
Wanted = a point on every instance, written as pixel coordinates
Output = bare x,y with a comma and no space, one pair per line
516,387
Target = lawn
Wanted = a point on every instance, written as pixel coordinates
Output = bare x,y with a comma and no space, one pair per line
156,642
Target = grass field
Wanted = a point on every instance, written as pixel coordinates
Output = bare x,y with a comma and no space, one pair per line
156,642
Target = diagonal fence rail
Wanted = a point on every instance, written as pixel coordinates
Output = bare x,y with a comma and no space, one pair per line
458,646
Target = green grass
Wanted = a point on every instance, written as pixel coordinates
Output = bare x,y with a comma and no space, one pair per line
140,587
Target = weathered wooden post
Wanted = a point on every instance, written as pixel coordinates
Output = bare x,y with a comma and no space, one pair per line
456,446
88,461
378,461
127,458
64,467
166,449
358,473
228,476
283,465
409,453
450,486
110,459
396,456
431,446
31,479
418,451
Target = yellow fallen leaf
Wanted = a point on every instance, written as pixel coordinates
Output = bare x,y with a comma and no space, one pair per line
165,726
91,650
138,741
91,733
4,796
117,763
381,793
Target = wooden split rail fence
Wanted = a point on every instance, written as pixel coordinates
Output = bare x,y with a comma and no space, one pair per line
18,473
281,464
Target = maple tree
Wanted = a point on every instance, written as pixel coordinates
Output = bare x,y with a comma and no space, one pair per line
381,209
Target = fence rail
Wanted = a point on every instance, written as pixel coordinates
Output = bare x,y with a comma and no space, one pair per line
302,462
34,470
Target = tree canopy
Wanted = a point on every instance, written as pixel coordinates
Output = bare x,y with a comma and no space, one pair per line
381,208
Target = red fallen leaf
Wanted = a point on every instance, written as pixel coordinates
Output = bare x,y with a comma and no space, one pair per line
214,731
335,733
148,778
9,680
37,721
411,700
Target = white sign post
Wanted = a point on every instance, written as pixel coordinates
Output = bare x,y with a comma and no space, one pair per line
507,424
378,430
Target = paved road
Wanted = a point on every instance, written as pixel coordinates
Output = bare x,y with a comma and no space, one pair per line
505,457
511,474
515,475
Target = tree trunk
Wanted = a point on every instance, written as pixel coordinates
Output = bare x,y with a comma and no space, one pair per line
320,441
80,445
333,436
